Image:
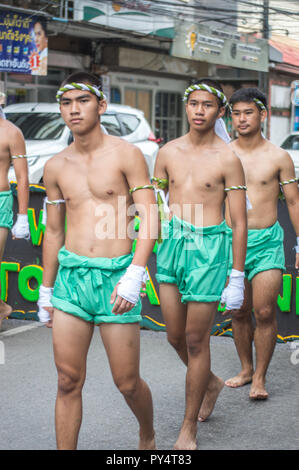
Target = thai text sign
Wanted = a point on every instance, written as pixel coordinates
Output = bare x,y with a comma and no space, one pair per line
23,43
212,45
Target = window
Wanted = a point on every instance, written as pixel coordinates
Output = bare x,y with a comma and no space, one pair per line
168,115
115,96
111,124
129,123
291,143
38,126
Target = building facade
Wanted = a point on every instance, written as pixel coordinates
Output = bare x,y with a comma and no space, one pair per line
130,43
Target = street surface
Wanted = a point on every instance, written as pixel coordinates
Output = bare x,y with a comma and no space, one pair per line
28,390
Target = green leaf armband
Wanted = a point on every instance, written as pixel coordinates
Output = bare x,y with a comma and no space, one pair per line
18,156
293,180
162,183
146,186
235,187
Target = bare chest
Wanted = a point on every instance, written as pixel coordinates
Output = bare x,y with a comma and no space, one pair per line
94,181
195,174
259,173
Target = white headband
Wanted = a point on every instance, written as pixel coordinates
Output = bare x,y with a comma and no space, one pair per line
202,86
80,86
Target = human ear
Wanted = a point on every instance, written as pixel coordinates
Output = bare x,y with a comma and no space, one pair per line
102,107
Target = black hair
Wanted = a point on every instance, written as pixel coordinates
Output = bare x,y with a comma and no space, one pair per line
212,83
83,77
248,95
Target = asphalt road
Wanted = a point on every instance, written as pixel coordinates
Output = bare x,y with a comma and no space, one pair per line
28,389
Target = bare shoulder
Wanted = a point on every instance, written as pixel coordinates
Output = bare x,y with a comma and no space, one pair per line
127,154
10,130
171,147
229,155
55,163
277,152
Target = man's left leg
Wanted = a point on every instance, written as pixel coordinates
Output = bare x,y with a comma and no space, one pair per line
200,318
266,287
122,344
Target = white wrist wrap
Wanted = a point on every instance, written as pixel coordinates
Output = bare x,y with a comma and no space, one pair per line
233,294
21,227
297,246
45,294
130,283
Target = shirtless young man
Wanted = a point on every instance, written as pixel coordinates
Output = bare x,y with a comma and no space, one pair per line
266,167
193,256
12,150
93,177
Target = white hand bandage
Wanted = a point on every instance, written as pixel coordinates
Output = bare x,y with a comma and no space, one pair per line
130,283
21,227
297,246
45,294
233,294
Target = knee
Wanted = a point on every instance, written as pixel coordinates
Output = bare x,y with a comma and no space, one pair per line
127,385
242,314
196,345
177,342
265,314
69,382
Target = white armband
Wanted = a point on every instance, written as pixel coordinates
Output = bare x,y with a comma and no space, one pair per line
54,203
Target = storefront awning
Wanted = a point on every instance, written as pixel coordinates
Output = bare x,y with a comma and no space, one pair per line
289,48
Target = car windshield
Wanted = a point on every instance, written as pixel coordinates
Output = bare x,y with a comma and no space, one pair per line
291,143
38,126
50,126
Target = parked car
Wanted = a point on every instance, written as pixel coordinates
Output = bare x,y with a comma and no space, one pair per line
291,144
46,133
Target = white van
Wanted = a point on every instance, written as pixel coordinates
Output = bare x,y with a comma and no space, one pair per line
46,133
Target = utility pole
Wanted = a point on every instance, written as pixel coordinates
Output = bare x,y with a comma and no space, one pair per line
263,76
265,33
266,19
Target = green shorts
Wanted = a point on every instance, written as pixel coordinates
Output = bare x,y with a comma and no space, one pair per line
265,250
193,258
6,212
83,287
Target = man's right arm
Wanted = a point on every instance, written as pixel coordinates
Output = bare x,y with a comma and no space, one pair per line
161,183
55,228
53,240
160,171
233,294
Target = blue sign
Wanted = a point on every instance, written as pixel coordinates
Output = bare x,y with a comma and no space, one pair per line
23,43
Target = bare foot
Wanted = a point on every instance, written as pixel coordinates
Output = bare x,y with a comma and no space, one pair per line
258,391
214,388
147,444
239,380
187,438
5,311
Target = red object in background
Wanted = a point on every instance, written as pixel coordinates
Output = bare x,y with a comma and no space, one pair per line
153,138
34,61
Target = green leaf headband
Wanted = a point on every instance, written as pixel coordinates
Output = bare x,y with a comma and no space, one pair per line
260,104
202,86
80,86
